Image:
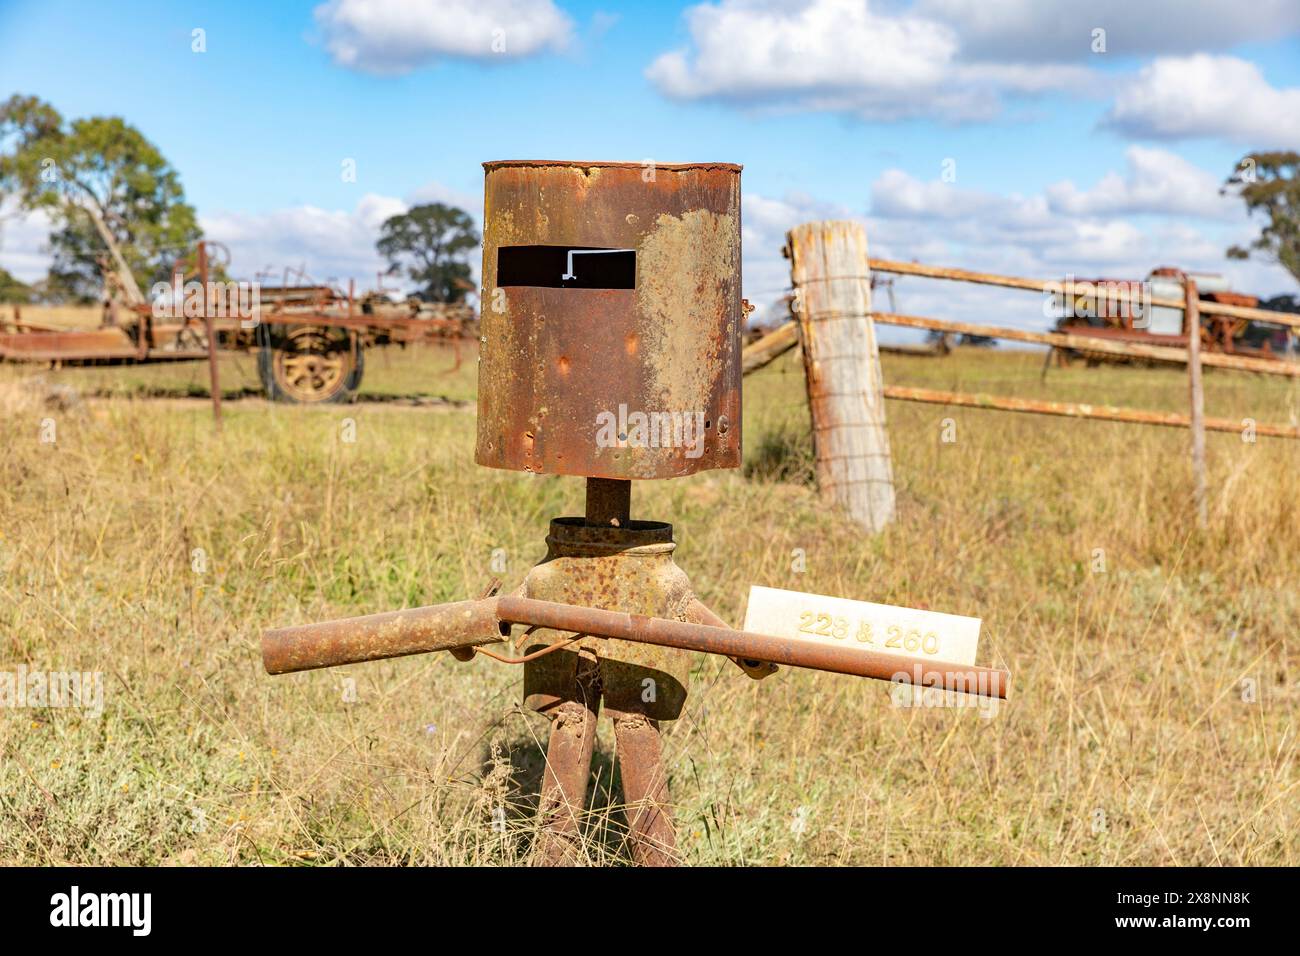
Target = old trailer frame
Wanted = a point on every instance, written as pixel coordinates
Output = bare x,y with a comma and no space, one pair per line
310,339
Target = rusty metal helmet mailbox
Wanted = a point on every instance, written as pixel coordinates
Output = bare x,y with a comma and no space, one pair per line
611,319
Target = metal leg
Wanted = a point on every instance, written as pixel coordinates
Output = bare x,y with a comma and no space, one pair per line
645,789
568,766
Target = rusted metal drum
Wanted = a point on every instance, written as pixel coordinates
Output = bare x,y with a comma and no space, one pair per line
611,319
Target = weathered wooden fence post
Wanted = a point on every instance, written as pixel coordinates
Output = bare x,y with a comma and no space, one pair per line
828,268
1192,322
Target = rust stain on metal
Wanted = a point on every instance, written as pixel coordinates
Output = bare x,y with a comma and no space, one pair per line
553,358
685,635
645,788
378,636
594,166
629,568
568,767
687,275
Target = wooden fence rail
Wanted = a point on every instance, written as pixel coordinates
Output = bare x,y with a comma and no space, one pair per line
832,256
1069,288
785,337
1109,413
1068,340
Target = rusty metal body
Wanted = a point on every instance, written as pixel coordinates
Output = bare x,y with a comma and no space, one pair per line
629,570
570,745
610,349
376,637
615,622
624,568
565,341
1122,320
609,289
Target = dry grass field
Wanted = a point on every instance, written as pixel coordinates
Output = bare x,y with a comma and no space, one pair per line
1154,704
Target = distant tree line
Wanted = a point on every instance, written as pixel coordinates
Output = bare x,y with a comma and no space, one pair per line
429,244
1268,183
116,204
120,217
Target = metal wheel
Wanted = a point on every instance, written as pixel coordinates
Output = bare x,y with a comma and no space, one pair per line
311,364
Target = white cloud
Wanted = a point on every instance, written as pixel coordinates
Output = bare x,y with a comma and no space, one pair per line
1157,182
1018,231
24,244
1222,97
397,36
764,224
1107,230
828,49
897,195
328,244
844,56
1061,30
1160,210
952,60
472,203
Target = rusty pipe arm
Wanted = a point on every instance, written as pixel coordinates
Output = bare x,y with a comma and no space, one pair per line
747,645
697,612
471,623
350,640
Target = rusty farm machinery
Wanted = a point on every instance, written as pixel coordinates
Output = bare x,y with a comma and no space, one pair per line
309,338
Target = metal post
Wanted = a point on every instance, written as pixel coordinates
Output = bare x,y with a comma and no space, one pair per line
609,501
1192,325
645,789
208,325
443,627
563,797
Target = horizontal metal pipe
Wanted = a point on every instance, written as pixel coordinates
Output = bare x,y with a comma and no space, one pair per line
471,623
418,630
982,681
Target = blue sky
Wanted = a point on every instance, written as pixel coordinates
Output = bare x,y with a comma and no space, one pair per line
1061,157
